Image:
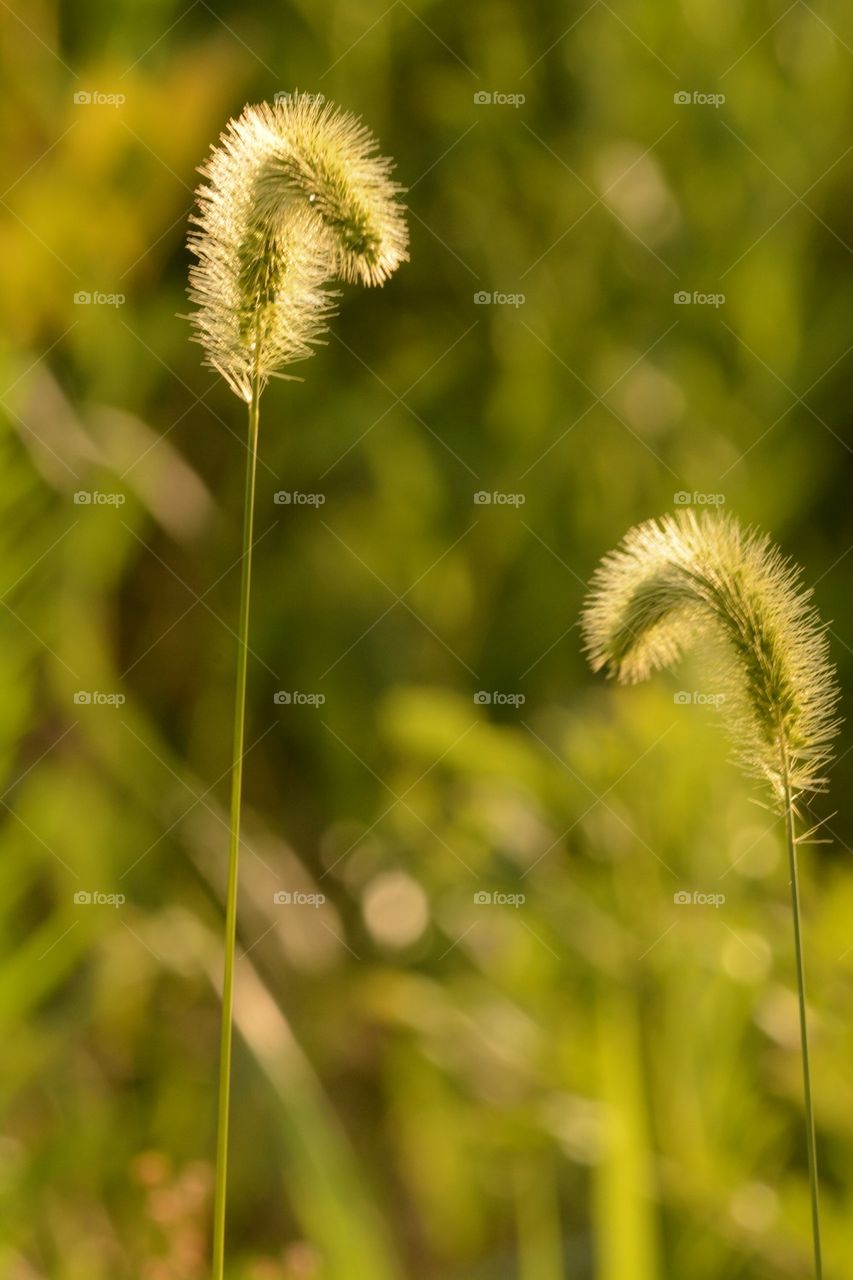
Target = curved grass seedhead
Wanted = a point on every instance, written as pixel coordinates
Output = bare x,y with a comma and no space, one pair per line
681,579
331,158
295,195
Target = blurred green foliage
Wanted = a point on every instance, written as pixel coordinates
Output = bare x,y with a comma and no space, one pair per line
599,1081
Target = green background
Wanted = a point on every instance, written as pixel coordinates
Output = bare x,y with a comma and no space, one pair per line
599,1081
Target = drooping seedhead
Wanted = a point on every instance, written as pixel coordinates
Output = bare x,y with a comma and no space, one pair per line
295,195
685,578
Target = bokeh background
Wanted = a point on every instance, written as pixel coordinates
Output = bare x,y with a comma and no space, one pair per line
581,1077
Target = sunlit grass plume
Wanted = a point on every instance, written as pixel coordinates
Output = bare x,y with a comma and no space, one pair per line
295,196
686,579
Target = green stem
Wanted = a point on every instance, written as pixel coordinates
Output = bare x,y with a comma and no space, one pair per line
233,858
790,828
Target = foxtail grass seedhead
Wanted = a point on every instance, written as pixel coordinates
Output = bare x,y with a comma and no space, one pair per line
682,578
295,196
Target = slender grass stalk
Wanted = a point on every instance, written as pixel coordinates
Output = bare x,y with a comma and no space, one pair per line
295,196
811,1141
680,579
234,848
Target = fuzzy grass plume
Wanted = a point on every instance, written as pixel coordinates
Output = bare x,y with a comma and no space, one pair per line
682,579
295,195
